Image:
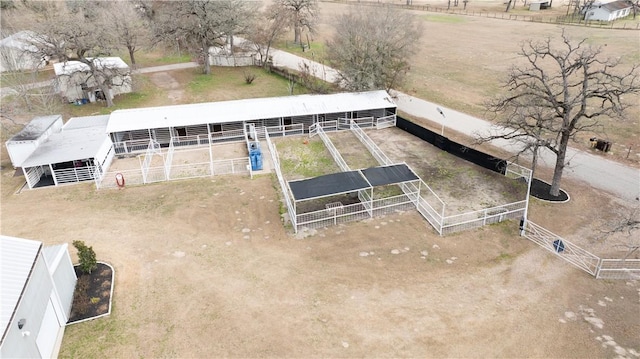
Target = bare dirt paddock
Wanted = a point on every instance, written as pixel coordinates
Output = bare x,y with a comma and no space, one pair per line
204,268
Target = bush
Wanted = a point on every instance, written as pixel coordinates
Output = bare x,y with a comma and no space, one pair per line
87,257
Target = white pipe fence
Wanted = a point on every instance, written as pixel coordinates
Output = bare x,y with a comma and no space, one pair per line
283,184
600,268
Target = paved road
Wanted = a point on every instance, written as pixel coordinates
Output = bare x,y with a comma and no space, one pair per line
601,173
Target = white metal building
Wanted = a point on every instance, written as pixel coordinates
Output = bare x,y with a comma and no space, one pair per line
25,142
37,285
18,54
71,154
75,82
608,10
132,129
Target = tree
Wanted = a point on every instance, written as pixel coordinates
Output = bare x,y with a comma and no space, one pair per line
130,25
77,31
372,47
627,225
201,23
563,90
267,28
300,15
86,256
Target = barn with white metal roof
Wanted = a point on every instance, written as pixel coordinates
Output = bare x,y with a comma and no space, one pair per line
71,154
132,129
37,285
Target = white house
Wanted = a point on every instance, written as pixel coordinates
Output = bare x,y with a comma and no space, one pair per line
37,285
607,11
25,142
18,54
74,80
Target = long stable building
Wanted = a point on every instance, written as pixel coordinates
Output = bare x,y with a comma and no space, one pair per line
132,129
84,147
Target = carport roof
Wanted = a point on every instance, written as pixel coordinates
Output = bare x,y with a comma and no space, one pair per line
77,140
245,110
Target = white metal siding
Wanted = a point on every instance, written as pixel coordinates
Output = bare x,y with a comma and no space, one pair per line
20,151
32,307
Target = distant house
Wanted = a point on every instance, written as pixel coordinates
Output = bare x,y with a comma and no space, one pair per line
37,285
17,53
75,82
607,11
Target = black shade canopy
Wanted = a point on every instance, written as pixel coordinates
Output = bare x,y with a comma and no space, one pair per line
381,176
327,185
345,182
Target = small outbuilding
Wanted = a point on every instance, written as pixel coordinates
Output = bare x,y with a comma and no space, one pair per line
17,53
76,83
70,155
37,285
607,11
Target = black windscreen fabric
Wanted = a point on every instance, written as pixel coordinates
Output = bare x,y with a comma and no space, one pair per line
381,176
327,185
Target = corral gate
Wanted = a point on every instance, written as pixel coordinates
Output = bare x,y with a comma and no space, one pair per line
562,248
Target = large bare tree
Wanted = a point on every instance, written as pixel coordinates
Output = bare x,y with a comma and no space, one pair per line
77,31
300,15
268,27
202,24
129,22
372,47
562,90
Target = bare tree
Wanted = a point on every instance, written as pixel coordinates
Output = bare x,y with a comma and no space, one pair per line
77,31
266,29
627,225
129,23
300,15
372,47
239,16
202,24
559,93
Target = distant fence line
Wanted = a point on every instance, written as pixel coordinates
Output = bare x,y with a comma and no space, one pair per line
562,19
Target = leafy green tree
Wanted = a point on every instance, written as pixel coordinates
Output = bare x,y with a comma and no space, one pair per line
87,257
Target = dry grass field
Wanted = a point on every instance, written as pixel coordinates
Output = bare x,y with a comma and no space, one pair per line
462,61
205,268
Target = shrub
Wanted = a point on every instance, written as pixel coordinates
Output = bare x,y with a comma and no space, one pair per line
249,77
87,257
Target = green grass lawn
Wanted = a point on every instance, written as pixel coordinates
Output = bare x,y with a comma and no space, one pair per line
224,83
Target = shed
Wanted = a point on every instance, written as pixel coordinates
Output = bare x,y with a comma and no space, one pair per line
17,53
607,11
136,127
538,5
75,81
22,144
37,285
71,155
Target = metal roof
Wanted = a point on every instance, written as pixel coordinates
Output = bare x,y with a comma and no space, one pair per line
34,129
77,140
17,257
70,67
245,110
21,40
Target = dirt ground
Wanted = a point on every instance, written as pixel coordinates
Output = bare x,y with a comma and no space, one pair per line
205,268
